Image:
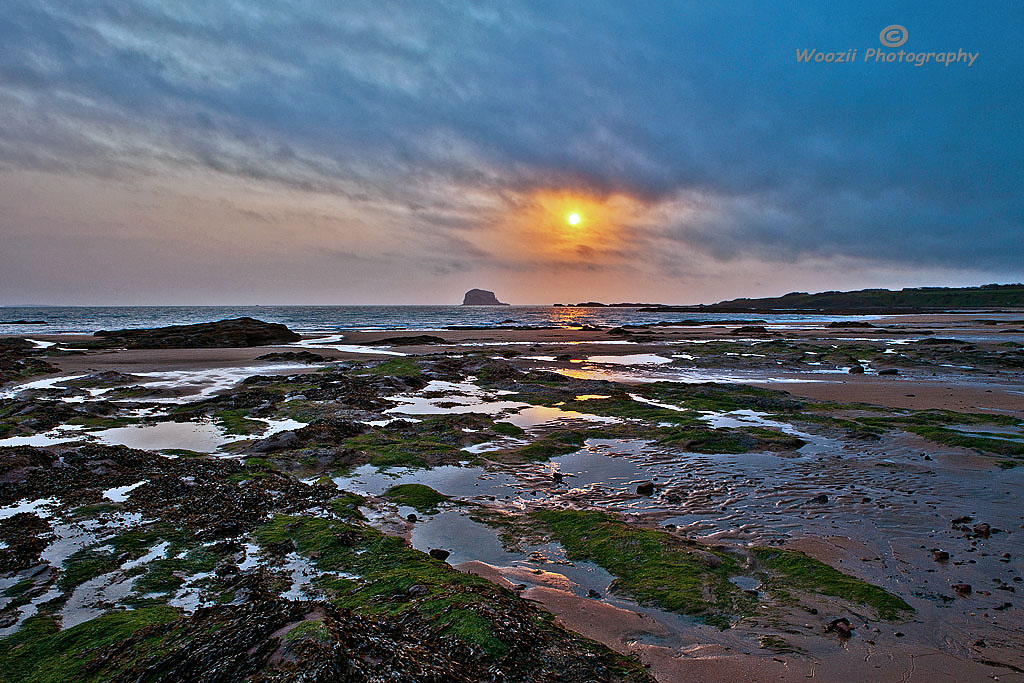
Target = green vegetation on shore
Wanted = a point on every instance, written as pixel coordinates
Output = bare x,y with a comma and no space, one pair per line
651,566
423,498
41,653
450,600
658,568
795,570
939,298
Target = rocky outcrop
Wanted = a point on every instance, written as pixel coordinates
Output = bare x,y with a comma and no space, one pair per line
481,297
234,333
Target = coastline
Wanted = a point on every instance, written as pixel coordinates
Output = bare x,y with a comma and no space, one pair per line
746,499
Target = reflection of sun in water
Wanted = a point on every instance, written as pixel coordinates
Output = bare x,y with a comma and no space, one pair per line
574,219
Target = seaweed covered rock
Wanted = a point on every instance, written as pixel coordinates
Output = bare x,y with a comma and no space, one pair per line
19,359
323,432
274,640
234,333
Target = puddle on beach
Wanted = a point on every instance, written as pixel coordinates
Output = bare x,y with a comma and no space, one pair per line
333,342
629,359
450,480
681,375
203,437
535,416
187,385
453,398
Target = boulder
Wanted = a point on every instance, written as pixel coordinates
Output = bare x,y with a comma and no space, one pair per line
234,333
849,323
750,329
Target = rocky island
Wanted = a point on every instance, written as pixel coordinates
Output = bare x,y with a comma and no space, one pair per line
481,297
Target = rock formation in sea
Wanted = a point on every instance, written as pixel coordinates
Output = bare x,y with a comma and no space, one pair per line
481,297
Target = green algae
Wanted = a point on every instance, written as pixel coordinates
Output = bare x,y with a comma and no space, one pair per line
794,570
39,652
418,496
653,567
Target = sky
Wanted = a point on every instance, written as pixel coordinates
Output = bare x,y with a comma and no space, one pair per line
326,152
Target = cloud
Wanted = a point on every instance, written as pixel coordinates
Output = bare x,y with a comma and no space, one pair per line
421,125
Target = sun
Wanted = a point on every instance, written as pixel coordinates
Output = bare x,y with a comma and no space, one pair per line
574,218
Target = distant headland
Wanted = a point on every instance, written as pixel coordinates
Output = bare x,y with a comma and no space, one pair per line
909,300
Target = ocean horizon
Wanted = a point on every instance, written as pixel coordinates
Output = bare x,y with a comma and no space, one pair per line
314,319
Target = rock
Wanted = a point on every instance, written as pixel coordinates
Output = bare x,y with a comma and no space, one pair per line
556,477
750,329
234,333
940,555
856,370
982,530
888,371
417,589
841,627
278,442
411,517
820,499
645,489
298,356
962,588
326,431
413,340
481,297
593,593
439,554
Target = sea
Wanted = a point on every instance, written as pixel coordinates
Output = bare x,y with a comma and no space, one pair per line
312,319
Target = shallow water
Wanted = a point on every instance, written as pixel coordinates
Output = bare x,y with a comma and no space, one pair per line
203,437
628,359
535,416
458,482
187,385
62,434
681,375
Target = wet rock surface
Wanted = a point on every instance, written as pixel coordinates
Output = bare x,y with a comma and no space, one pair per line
20,358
